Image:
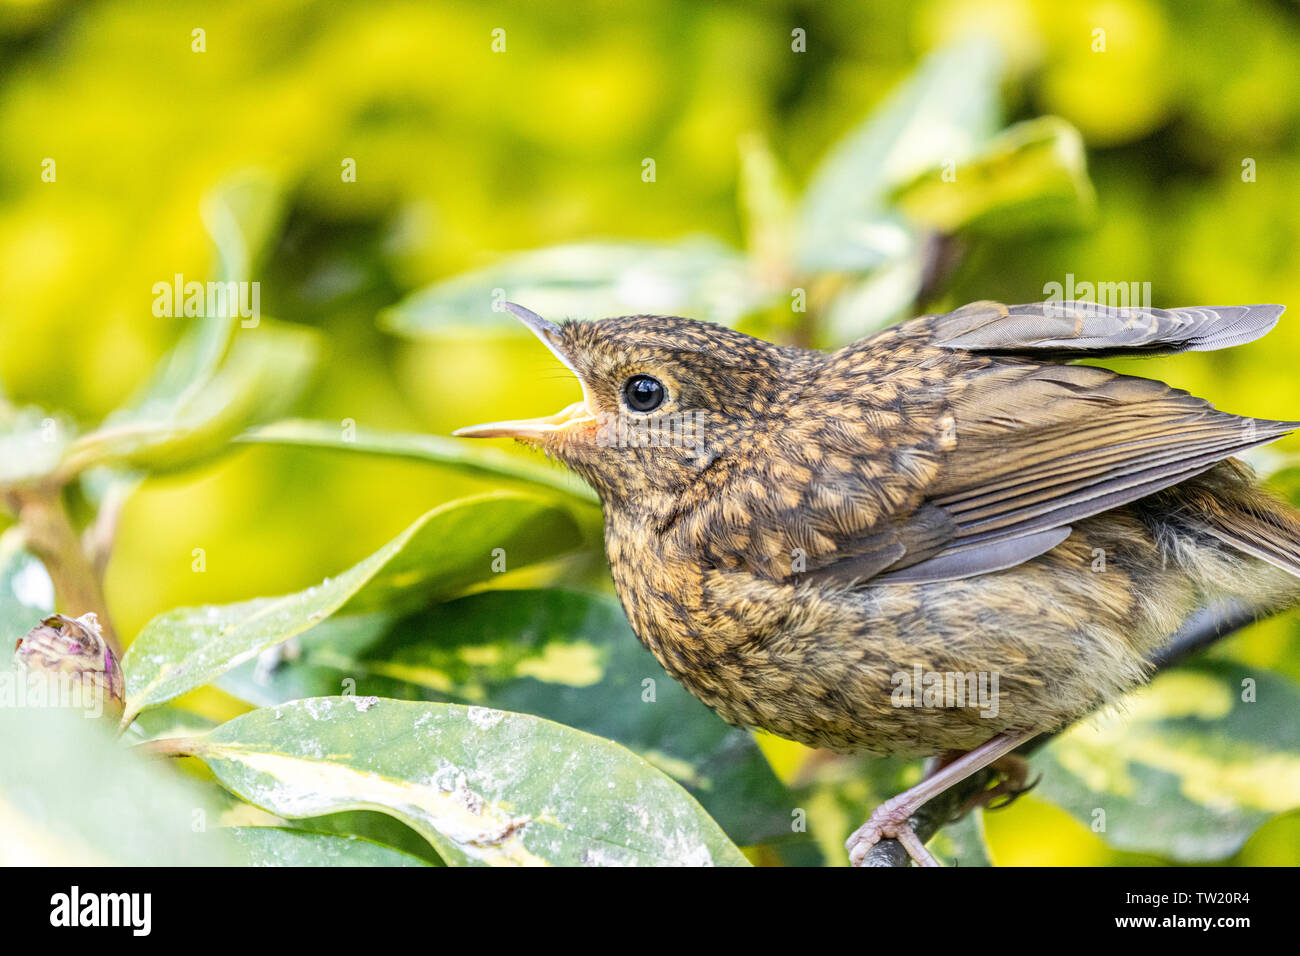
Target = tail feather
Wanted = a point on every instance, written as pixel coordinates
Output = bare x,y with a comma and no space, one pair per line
1272,536
1229,507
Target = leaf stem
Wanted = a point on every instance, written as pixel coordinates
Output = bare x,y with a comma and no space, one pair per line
48,533
170,747
97,541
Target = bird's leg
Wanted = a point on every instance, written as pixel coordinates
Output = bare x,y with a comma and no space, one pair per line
939,761
890,819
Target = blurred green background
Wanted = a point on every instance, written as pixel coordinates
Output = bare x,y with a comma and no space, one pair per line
464,154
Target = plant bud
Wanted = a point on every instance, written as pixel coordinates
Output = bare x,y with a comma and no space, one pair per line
78,666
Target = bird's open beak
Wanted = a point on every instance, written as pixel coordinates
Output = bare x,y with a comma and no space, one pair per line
535,429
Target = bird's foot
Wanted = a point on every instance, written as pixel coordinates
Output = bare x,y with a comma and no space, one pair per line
890,819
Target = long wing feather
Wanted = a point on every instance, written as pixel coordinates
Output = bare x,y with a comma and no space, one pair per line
1066,328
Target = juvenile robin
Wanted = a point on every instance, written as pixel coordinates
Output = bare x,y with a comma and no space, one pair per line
794,534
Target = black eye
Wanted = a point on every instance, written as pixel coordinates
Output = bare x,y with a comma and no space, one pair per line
643,393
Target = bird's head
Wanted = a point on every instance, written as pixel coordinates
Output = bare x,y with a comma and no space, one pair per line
663,399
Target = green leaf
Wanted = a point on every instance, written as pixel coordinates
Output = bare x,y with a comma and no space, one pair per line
212,384
699,277
70,797
442,553
562,655
373,826
483,786
262,375
1031,174
1190,771
168,721
464,456
946,111
26,591
284,846
241,215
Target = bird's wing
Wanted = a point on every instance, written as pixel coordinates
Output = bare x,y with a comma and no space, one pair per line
1066,329
1041,446
988,466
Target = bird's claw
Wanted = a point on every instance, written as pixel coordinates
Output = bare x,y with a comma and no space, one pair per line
1009,793
859,844
888,821
893,817
1012,787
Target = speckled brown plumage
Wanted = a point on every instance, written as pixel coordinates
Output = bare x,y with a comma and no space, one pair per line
944,494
